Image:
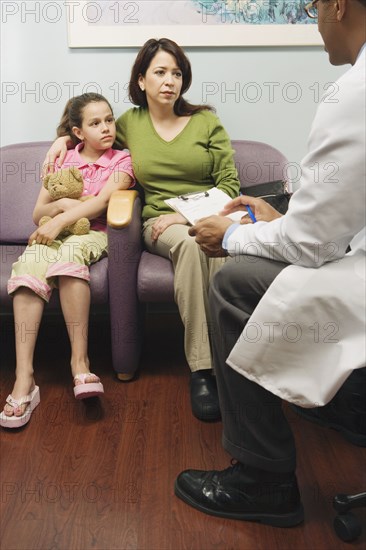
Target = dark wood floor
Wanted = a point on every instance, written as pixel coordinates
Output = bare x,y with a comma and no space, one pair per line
100,475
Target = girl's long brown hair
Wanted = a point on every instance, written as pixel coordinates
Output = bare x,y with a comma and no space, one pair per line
73,114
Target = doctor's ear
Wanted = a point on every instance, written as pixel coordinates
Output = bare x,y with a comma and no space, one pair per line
340,7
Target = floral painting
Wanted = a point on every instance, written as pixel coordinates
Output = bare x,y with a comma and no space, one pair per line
114,23
254,12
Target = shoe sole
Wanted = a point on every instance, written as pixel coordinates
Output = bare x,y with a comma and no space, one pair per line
13,421
90,389
356,439
207,418
290,519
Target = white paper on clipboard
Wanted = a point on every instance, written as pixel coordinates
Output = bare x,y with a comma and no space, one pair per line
194,206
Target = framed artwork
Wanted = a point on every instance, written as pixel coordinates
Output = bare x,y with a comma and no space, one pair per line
124,23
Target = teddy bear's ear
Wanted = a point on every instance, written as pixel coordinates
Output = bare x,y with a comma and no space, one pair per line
46,179
76,173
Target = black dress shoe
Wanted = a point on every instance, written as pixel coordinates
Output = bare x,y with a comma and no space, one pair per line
243,493
346,412
204,396
352,425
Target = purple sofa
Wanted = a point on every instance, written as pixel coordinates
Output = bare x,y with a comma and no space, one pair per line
130,276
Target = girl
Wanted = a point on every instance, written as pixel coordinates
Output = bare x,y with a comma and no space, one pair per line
51,261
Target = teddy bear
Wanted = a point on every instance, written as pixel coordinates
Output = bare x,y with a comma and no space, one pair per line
67,183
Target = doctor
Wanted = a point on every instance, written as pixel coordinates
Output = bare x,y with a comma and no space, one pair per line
304,338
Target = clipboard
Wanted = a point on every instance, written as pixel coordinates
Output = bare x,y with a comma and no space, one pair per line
194,206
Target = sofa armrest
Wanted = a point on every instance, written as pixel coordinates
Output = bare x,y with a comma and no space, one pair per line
120,208
124,253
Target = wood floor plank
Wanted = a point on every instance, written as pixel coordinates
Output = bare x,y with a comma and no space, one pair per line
100,474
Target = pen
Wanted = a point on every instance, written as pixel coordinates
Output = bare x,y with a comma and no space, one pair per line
251,215
250,211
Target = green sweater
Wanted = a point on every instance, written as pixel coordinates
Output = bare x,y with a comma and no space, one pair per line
198,158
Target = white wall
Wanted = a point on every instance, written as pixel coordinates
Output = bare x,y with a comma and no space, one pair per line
265,94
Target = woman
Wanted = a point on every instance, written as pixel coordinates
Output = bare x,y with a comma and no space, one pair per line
176,148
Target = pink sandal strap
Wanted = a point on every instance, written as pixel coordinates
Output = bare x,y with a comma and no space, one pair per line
13,421
16,403
82,377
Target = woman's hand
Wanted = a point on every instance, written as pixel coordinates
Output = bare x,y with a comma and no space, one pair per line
164,221
262,211
58,151
47,233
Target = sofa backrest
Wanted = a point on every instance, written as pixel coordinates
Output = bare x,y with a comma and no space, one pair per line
20,184
20,180
258,163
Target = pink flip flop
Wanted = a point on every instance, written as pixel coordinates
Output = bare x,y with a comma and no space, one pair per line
87,389
32,400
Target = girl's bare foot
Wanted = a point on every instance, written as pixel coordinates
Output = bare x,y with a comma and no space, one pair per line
82,367
23,386
86,383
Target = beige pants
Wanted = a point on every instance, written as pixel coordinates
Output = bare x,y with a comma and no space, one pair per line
193,271
39,267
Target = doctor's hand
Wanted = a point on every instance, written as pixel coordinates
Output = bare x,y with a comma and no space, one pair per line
263,211
209,233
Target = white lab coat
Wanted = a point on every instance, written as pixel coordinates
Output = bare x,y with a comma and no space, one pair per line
308,332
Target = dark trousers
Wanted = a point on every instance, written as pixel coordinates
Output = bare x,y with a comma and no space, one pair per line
256,431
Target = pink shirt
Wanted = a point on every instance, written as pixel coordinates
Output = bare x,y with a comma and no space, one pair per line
96,174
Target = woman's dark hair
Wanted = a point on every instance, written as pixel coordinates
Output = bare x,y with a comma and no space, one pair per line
73,114
142,63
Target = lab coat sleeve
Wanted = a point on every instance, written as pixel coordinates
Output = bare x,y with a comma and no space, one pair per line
328,210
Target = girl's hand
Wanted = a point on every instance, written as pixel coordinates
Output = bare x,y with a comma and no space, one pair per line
47,233
58,151
263,211
164,221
